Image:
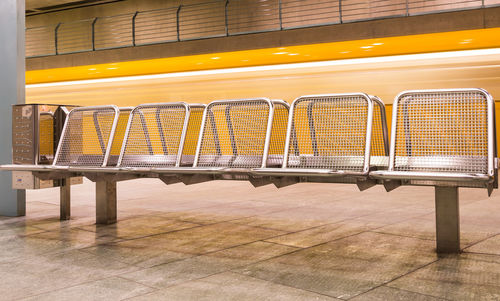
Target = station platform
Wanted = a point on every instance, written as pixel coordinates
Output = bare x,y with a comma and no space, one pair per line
231,241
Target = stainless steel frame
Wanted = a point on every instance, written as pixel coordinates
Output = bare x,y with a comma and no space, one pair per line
446,182
188,108
236,102
451,178
197,173
111,135
324,174
138,108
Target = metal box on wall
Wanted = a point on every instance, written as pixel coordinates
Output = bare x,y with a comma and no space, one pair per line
36,129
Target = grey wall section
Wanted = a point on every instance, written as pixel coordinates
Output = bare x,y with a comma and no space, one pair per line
12,90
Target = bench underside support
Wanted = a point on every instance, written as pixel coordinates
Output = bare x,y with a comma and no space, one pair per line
105,202
447,220
65,199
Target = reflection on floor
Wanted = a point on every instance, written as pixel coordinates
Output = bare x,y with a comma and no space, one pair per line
230,241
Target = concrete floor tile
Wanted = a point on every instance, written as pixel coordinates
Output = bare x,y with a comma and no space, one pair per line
456,277
425,228
12,232
321,234
300,218
199,217
488,246
422,196
346,267
142,252
48,242
168,274
227,212
250,253
55,224
386,215
282,223
139,226
45,273
482,213
300,194
72,238
385,293
231,286
210,238
114,288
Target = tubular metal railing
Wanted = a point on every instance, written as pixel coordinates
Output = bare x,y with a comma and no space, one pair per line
222,18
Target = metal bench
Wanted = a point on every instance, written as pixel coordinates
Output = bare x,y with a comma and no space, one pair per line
446,139
333,138
442,138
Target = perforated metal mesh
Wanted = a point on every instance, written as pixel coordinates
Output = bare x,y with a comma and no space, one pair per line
86,136
46,136
119,135
442,131
192,134
234,134
278,134
154,135
329,132
379,147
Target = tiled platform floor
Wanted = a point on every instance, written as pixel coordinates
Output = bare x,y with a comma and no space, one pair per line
230,241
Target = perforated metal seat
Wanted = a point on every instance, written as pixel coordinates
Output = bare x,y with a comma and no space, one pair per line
161,135
236,135
443,137
334,135
91,139
87,137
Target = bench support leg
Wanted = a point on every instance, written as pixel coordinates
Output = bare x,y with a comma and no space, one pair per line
65,199
447,220
105,202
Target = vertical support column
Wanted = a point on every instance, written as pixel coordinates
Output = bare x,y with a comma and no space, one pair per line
447,220
12,85
65,199
105,202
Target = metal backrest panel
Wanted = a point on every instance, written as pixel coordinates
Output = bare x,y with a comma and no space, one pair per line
330,132
278,134
87,136
120,130
235,134
192,134
154,135
443,131
380,137
46,136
